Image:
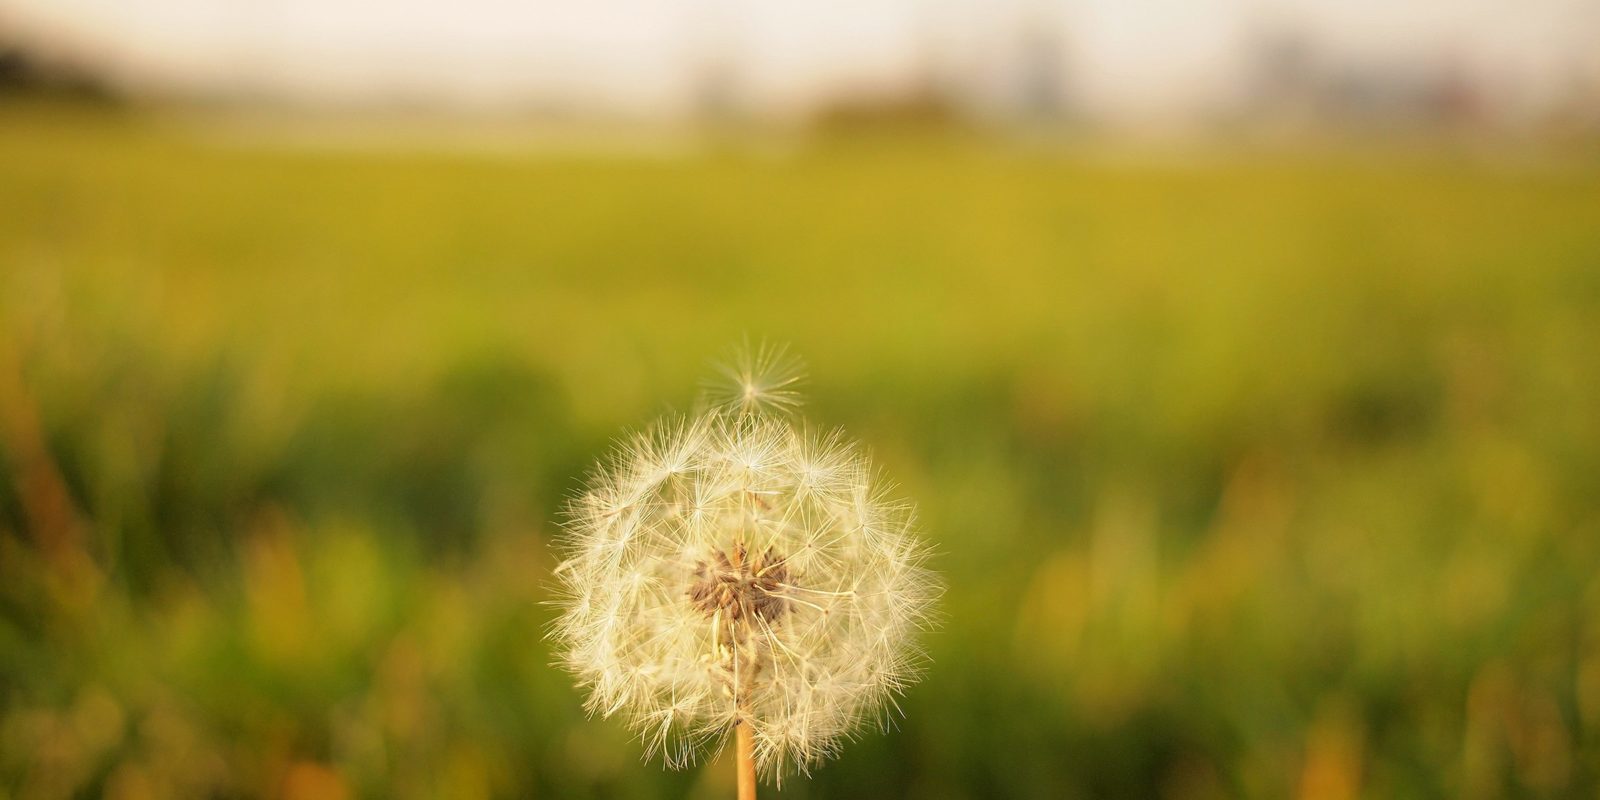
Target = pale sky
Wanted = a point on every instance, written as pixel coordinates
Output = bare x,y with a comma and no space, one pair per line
1127,56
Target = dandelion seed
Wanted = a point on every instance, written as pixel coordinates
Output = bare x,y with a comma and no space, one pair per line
734,573
764,378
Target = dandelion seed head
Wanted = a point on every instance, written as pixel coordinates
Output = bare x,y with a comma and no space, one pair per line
734,568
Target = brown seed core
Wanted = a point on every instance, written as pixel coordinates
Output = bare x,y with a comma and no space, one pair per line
743,589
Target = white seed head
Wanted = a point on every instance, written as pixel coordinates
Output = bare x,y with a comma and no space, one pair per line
732,568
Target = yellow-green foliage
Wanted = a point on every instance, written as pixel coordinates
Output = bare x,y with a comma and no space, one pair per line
1250,475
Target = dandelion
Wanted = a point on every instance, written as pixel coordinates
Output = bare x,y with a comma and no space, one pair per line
733,571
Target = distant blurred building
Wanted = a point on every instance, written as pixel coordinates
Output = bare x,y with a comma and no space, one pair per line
1292,82
1042,69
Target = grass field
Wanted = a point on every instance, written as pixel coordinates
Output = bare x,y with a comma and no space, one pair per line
1252,476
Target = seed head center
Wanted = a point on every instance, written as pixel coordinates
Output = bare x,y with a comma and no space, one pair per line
739,589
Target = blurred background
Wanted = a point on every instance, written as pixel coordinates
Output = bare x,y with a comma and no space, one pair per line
1242,357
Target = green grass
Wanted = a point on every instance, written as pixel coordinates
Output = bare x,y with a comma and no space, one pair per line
1251,475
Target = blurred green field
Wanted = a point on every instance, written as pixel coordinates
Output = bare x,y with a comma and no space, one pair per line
1261,476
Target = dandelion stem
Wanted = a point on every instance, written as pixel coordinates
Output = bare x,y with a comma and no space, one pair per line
746,761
